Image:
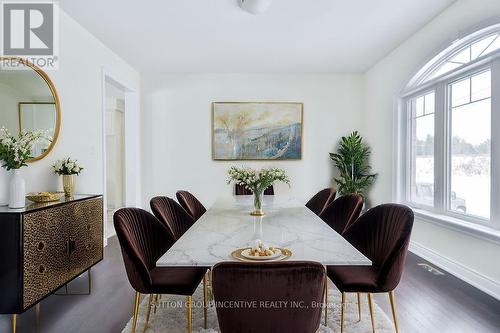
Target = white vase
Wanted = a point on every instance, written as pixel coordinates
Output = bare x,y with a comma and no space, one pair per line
17,190
4,187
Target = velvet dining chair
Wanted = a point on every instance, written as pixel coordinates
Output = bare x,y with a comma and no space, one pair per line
382,234
242,190
342,212
321,199
172,215
143,240
191,204
257,284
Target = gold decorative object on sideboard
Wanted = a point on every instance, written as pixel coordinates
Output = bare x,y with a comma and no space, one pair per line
41,197
45,246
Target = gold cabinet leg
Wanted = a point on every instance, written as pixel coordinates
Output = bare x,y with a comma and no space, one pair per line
342,313
136,310
14,323
37,317
393,308
148,313
89,275
326,300
370,305
359,306
189,305
205,302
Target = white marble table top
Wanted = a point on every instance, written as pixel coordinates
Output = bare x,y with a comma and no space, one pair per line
227,226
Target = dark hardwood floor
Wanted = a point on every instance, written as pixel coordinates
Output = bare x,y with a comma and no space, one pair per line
426,303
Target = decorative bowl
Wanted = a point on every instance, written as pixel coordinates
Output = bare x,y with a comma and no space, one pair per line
44,196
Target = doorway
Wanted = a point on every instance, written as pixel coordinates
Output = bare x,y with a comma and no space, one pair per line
115,151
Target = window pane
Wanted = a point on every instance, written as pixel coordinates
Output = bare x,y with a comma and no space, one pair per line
479,48
470,154
462,58
481,86
445,68
422,173
460,92
494,46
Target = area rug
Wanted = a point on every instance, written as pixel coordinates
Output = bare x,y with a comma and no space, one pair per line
171,317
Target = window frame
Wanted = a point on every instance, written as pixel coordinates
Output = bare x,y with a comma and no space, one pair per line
442,142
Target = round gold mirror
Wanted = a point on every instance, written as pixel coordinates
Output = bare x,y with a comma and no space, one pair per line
29,101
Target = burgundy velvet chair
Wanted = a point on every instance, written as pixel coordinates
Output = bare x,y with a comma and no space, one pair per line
382,234
190,204
143,240
242,190
172,215
252,283
342,212
321,199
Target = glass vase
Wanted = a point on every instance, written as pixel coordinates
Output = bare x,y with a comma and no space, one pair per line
257,204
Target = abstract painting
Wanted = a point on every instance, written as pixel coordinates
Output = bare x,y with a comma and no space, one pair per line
256,131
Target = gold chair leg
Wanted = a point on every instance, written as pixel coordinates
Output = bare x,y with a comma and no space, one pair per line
14,323
370,305
205,302
342,313
359,306
326,300
393,308
190,313
136,310
148,313
37,317
155,302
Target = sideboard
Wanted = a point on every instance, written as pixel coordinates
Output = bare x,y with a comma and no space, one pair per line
45,246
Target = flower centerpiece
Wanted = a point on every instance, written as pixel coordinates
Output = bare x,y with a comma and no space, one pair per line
15,152
68,169
257,181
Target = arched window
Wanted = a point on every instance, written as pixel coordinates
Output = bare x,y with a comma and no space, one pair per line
449,108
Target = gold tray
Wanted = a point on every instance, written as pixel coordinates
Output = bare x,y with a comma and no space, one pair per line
44,197
286,253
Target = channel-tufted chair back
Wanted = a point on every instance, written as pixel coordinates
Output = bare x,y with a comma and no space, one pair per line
342,212
190,204
172,215
297,285
242,190
143,240
383,235
321,199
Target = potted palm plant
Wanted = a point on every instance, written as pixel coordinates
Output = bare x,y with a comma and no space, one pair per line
352,161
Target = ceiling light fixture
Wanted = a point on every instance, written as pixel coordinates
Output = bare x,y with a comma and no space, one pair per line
255,6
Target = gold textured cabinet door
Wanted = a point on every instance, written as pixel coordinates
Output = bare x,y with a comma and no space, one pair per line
45,246
86,235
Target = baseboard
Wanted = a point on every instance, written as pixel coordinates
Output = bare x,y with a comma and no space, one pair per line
105,242
462,272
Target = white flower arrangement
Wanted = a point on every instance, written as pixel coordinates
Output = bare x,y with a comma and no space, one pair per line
67,166
257,180
15,151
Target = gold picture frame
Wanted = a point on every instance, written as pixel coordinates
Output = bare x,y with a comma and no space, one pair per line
295,154
53,91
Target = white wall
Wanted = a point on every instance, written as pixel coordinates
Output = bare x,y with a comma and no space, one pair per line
79,84
177,128
383,82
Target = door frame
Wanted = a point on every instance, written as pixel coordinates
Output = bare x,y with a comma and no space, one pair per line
131,181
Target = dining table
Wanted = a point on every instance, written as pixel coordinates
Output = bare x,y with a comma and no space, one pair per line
289,224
